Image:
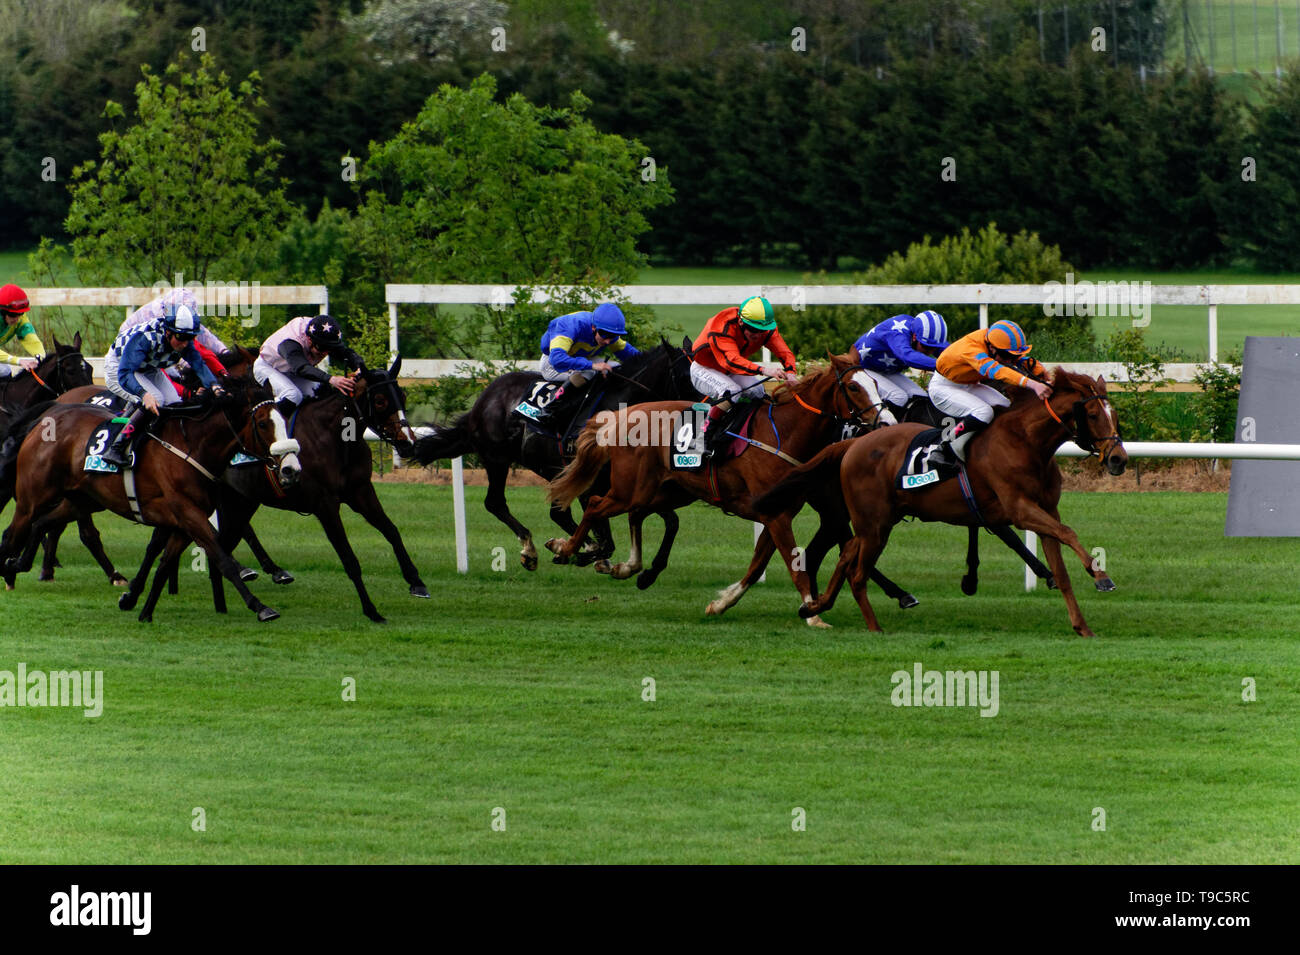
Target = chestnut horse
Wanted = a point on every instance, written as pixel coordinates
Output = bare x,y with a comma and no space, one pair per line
804,417
174,477
1012,472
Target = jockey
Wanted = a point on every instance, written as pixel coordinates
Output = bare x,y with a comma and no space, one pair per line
288,359
568,347
721,368
134,369
207,344
998,353
904,341
13,305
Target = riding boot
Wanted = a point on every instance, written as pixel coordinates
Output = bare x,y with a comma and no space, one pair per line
116,453
958,436
287,410
714,434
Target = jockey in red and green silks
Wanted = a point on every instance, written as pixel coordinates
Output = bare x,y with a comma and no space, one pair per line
17,329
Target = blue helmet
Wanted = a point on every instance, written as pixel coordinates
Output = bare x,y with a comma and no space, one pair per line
608,318
181,320
933,331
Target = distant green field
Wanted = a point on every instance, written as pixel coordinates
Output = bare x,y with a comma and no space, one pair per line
1238,34
524,693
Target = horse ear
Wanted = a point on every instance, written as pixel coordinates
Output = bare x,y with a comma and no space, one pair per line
686,343
57,346
76,341
396,366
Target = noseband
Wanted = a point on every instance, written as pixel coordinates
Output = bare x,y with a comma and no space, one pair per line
1078,428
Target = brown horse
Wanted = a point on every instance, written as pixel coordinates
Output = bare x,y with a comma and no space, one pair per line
1012,472
805,416
174,483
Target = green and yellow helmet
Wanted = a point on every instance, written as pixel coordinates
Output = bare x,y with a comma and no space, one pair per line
756,312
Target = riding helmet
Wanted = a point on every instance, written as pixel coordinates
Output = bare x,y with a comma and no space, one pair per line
756,312
13,300
324,331
933,332
608,319
1009,337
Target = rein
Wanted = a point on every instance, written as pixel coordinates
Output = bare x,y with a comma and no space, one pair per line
1078,429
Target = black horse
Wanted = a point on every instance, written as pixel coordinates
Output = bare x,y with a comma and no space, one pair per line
62,370
501,438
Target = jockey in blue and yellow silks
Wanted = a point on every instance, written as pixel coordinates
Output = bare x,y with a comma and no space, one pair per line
570,344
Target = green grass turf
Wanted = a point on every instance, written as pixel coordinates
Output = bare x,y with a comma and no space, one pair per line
523,691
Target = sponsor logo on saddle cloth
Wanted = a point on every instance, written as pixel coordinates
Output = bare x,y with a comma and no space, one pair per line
925,462
541,395
98,443
108,401
688,439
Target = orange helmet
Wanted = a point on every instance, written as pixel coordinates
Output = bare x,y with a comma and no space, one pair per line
1009,337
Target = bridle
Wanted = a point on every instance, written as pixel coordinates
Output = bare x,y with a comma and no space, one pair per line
672,376
854,418
1078,428
367,410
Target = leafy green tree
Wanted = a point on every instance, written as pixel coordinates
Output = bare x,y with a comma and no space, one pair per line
187,188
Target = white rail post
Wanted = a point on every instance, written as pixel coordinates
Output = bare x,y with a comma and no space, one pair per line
1214,332
392,332
1031,543
458,508
984,314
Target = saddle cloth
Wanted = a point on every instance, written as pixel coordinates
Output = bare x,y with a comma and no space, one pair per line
538,398
688,442
99,441
926,462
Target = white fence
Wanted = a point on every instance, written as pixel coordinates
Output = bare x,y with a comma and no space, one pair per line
1127,296
226,298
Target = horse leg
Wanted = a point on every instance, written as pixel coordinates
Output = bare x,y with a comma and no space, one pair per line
598,508
660,562
338,538
1012,540
1047,524
624,570
90,538
168,567
783,539
1052,548
365,502
200,531
50,545
729,596
971,582
157,540
278,574
848,560
495,504
868,553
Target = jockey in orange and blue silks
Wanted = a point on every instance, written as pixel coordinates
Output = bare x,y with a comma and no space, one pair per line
898,343
13,306
998,353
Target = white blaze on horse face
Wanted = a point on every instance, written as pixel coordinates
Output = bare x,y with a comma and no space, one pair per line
405,429
1110,417
285,448
869,386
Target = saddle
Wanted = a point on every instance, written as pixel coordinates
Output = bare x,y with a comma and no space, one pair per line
926,462
109,401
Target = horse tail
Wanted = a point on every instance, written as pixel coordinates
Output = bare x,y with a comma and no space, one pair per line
592,455
797,486
11,442
445,443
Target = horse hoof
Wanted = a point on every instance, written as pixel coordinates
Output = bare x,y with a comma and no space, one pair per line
45,575
146,617
554,544
266,615
806,611
907,602
1084,631
645,579
602,567
1105,584
818,622
117,580
419,590
282,577
247,574
1051,582
968,586
127,601
529,561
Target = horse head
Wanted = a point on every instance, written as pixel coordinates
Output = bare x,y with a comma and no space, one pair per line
383,406
840,386
1081,405
261,430
65,368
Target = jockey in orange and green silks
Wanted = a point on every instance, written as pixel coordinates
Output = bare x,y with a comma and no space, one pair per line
998,353
13,306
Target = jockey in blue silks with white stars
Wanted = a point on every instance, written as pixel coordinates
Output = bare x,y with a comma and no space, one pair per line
904,341
134,368
569,346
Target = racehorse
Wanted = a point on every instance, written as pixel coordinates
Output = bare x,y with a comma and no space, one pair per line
1012,472
802,419
172,484
237,362
500,437
60,371
336,469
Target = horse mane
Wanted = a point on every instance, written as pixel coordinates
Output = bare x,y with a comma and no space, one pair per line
787,390
1059,379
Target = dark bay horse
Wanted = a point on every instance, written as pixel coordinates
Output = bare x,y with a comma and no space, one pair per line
805,417
60,371
336,470
174,477
500,438
1013,474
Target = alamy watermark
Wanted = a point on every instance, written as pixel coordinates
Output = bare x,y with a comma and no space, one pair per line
83,688
1098,299
220,298
924,687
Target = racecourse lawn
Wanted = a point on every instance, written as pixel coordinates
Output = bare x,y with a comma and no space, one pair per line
523,692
